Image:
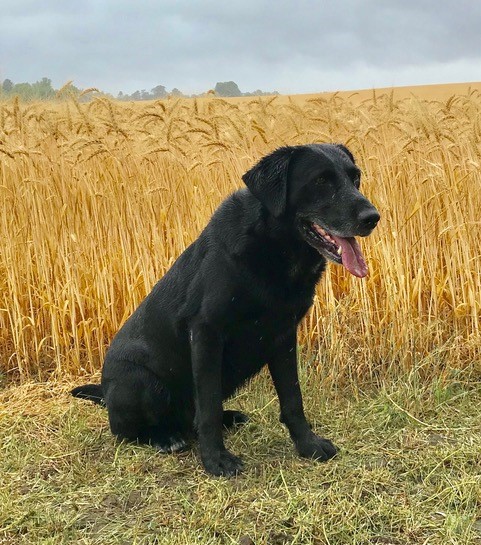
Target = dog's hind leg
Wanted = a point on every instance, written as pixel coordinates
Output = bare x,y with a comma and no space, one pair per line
142,409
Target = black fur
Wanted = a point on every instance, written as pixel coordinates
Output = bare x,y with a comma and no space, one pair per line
92,392
229,305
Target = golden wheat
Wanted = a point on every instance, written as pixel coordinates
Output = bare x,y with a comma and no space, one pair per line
98,200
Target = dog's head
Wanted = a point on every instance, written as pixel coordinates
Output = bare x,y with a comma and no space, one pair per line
317,186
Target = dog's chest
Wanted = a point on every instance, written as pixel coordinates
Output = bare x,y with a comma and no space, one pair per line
264,325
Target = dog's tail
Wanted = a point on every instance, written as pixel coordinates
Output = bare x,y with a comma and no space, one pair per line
92,392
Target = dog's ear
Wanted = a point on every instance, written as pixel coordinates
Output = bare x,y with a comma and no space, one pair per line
267,180
343,148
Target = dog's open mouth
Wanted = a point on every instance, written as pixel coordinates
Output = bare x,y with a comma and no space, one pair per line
345,251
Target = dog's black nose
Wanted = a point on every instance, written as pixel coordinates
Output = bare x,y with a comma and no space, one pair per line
368,218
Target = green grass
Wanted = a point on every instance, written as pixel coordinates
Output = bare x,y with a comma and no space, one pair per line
409,472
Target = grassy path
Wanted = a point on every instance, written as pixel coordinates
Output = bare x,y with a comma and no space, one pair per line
409,472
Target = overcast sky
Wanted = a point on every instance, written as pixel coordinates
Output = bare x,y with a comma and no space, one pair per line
290,46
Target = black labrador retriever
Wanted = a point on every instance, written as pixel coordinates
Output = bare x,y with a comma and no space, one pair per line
231,303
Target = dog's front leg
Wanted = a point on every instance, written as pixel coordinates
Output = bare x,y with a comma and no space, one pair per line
206,347
283,369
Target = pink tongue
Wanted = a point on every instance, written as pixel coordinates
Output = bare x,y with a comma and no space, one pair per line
352,257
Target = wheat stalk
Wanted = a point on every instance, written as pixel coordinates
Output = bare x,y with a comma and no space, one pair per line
98,201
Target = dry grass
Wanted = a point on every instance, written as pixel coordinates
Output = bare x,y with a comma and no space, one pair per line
98,200
408,473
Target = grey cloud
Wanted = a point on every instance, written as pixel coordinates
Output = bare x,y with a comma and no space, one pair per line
273,45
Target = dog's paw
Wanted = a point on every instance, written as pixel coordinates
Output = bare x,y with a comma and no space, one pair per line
233,419
170,444
222,464
317,448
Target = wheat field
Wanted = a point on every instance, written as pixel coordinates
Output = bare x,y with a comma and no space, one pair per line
98,200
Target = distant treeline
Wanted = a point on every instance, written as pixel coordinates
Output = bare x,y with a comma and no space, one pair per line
43,90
